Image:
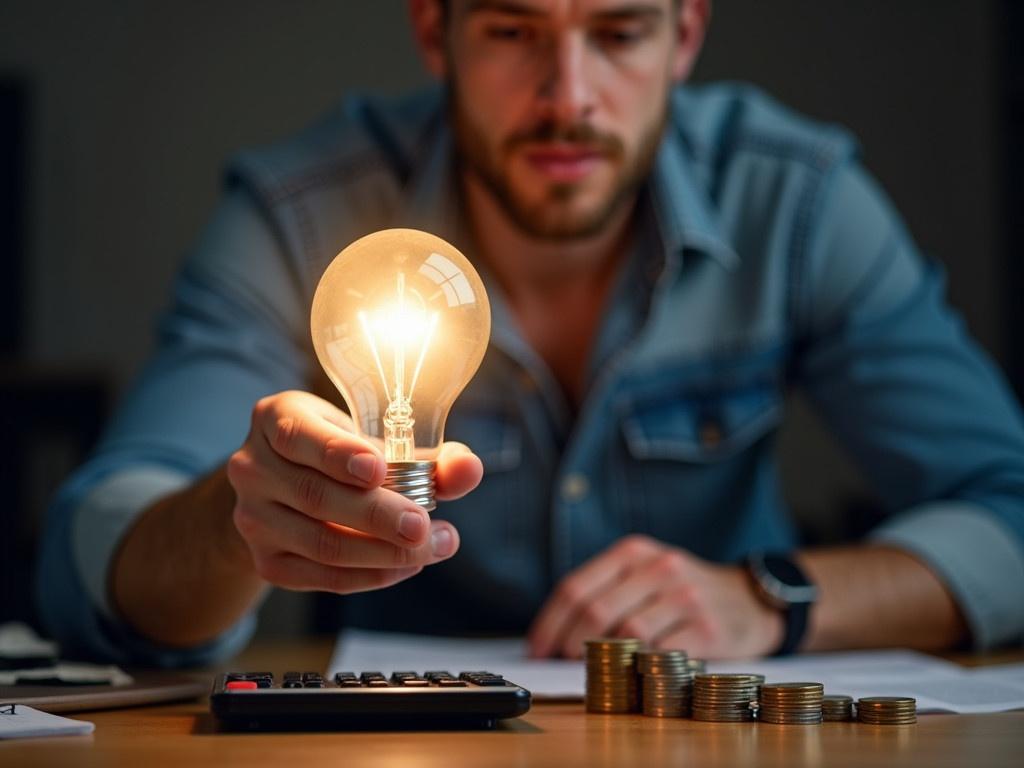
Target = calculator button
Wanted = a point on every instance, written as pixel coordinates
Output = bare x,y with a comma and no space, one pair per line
311,676
292,675
368,676
292,683
313,684
378,683
451,682
415,682
241,685
437,674
483,678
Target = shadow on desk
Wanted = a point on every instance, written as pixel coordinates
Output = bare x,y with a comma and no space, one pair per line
206,724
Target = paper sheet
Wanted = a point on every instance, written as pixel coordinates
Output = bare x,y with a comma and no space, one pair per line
938,686
360,650
18,721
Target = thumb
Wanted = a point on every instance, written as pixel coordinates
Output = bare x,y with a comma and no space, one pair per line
459,471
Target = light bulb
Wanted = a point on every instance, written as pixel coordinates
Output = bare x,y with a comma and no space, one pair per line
400,323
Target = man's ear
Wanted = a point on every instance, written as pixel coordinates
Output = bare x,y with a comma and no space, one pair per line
428,20
691,25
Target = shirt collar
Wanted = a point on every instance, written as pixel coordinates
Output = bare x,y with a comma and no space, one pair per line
434,205
683,211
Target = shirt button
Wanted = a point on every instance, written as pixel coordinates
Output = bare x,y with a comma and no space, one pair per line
711,434
575,487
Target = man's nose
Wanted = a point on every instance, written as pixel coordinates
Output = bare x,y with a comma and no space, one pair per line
567,90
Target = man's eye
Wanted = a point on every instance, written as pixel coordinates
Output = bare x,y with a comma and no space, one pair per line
619,37
507,32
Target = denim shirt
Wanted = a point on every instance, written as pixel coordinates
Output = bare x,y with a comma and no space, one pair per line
764,258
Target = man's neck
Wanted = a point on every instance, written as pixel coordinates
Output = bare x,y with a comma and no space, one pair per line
530,268
556,290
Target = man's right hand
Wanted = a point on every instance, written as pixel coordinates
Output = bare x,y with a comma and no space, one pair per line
310,506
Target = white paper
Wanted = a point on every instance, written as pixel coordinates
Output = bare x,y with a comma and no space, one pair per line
18,639
18,722
360,650
1000,673
938,685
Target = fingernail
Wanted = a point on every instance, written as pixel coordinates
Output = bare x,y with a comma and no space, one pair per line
441,542
363,466
410,526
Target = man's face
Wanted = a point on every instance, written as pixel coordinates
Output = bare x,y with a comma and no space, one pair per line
558,105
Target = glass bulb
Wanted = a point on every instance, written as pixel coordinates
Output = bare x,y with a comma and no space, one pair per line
400,323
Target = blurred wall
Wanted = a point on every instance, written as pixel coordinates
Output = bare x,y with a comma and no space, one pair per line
136,106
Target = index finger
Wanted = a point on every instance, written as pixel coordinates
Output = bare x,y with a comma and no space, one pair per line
304,429
599,573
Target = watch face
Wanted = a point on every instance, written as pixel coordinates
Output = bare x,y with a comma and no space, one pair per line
782,581
784,570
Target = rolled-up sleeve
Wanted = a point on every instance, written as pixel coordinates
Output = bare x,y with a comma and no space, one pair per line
975,554
234,333
919,406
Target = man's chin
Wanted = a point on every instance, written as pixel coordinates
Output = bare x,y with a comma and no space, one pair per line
563,212
564,228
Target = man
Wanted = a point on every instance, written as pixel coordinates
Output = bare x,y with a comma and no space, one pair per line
663,264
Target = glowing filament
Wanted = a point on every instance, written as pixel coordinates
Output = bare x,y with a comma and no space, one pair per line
397,328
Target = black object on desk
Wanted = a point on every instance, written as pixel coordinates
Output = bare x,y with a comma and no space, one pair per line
404,700
148,687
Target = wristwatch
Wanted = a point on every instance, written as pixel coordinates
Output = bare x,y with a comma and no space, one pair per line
781,583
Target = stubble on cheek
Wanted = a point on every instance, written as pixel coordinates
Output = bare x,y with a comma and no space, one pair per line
554,210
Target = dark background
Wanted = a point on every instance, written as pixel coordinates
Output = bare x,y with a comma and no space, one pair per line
116,117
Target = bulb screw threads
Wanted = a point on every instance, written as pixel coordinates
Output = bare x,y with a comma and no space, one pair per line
414,480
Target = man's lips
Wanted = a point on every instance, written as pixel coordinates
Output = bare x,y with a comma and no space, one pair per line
563,162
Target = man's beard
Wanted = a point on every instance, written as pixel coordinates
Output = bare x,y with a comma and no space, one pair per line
549,218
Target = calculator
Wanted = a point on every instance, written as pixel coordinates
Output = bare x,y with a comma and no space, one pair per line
403,700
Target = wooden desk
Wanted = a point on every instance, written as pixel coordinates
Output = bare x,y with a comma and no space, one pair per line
561,735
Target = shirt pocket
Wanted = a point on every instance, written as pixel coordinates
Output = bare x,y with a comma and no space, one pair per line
699,428
692,462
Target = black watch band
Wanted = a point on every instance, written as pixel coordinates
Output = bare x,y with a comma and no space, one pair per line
795,625
781,583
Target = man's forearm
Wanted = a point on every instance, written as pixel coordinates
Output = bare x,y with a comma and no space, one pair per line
873,596
182,574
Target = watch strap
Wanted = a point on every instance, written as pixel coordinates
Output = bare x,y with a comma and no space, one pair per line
795,613
795,626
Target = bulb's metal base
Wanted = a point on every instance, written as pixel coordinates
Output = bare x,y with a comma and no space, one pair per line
414,480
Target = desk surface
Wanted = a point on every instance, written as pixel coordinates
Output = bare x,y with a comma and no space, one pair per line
550,734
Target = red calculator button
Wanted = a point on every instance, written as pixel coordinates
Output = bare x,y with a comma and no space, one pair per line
241,685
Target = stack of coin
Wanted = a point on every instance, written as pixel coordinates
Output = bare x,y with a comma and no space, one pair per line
836,707
666,683
887,710
791,703
611,674
725,698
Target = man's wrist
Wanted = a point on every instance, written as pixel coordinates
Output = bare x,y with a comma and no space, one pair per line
779,582
765,624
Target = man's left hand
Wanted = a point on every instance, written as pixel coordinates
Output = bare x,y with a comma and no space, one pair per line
663,595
